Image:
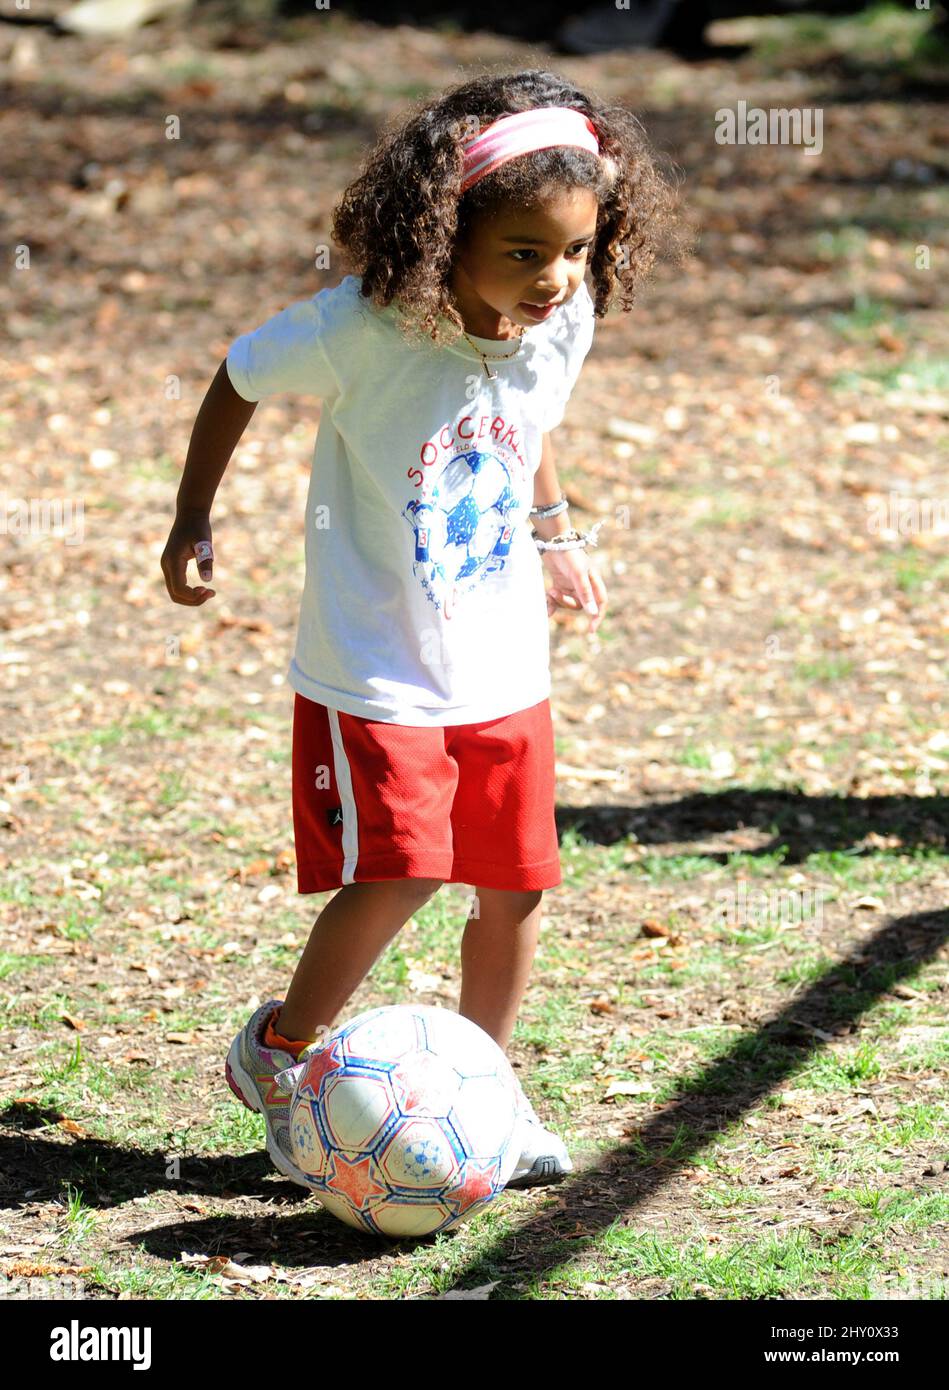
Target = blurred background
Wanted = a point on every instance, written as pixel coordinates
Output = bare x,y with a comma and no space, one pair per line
171,172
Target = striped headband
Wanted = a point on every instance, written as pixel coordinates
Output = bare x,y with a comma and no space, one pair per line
536,129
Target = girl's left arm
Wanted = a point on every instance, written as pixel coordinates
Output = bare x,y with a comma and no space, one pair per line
575,583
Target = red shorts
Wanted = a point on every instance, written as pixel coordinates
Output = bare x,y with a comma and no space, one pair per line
464,803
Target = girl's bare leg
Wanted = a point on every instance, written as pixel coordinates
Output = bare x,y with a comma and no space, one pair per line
348,937
497,951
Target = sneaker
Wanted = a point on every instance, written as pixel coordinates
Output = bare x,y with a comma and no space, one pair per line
543,1156
262,1078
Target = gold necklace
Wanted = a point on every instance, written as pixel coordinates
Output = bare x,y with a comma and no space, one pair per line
487,357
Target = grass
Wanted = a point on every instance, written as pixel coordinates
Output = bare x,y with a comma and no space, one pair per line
918,374
824,669
719,1250
800,1263
861,322
11,964
914,572
882,34
715,505
161,469
846,243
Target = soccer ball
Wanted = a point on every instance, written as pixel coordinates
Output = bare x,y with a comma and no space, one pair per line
464,532
405,1123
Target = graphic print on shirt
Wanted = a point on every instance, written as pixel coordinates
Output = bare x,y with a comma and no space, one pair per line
463,526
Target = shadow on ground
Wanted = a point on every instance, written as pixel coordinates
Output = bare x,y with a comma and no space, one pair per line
297,1233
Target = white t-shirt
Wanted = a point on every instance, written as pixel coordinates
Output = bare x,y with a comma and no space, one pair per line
424,598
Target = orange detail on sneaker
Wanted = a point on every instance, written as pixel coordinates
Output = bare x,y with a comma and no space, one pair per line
274,1039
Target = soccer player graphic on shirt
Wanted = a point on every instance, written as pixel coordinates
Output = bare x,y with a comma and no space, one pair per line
463,533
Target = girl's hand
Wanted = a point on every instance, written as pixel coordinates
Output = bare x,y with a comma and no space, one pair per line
189,539
575,584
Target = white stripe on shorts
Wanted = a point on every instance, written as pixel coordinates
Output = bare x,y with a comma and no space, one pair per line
344,782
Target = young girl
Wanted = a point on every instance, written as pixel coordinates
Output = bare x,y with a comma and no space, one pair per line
422,737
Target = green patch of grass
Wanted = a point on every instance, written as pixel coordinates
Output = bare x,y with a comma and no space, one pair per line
805,969
897,36
912,1211
693,756
915,571
718,506
797,1263
79,1222
104,737
880,868
11,963
187,68
155,723
931,1054
141,1280
824,668
162,468
168,883
769,754
49,793
391,971
661,868
867,315
581,858
405,90
160,723
173,789
918,374
915,1121
757,865
846,243
852,1069
648,465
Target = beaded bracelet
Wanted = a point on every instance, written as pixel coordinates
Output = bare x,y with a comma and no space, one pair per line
569,540
552,509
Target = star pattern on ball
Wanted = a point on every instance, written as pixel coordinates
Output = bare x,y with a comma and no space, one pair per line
422,1083
320,1065
354,1180
477,1186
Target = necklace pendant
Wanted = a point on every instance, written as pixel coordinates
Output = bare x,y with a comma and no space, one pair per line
492,376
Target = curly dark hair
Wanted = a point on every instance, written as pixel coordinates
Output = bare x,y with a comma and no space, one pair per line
399,221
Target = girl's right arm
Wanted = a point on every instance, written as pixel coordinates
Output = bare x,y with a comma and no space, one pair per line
219,425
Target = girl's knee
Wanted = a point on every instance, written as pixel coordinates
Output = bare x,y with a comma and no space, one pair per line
506,902
413,889
425,887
